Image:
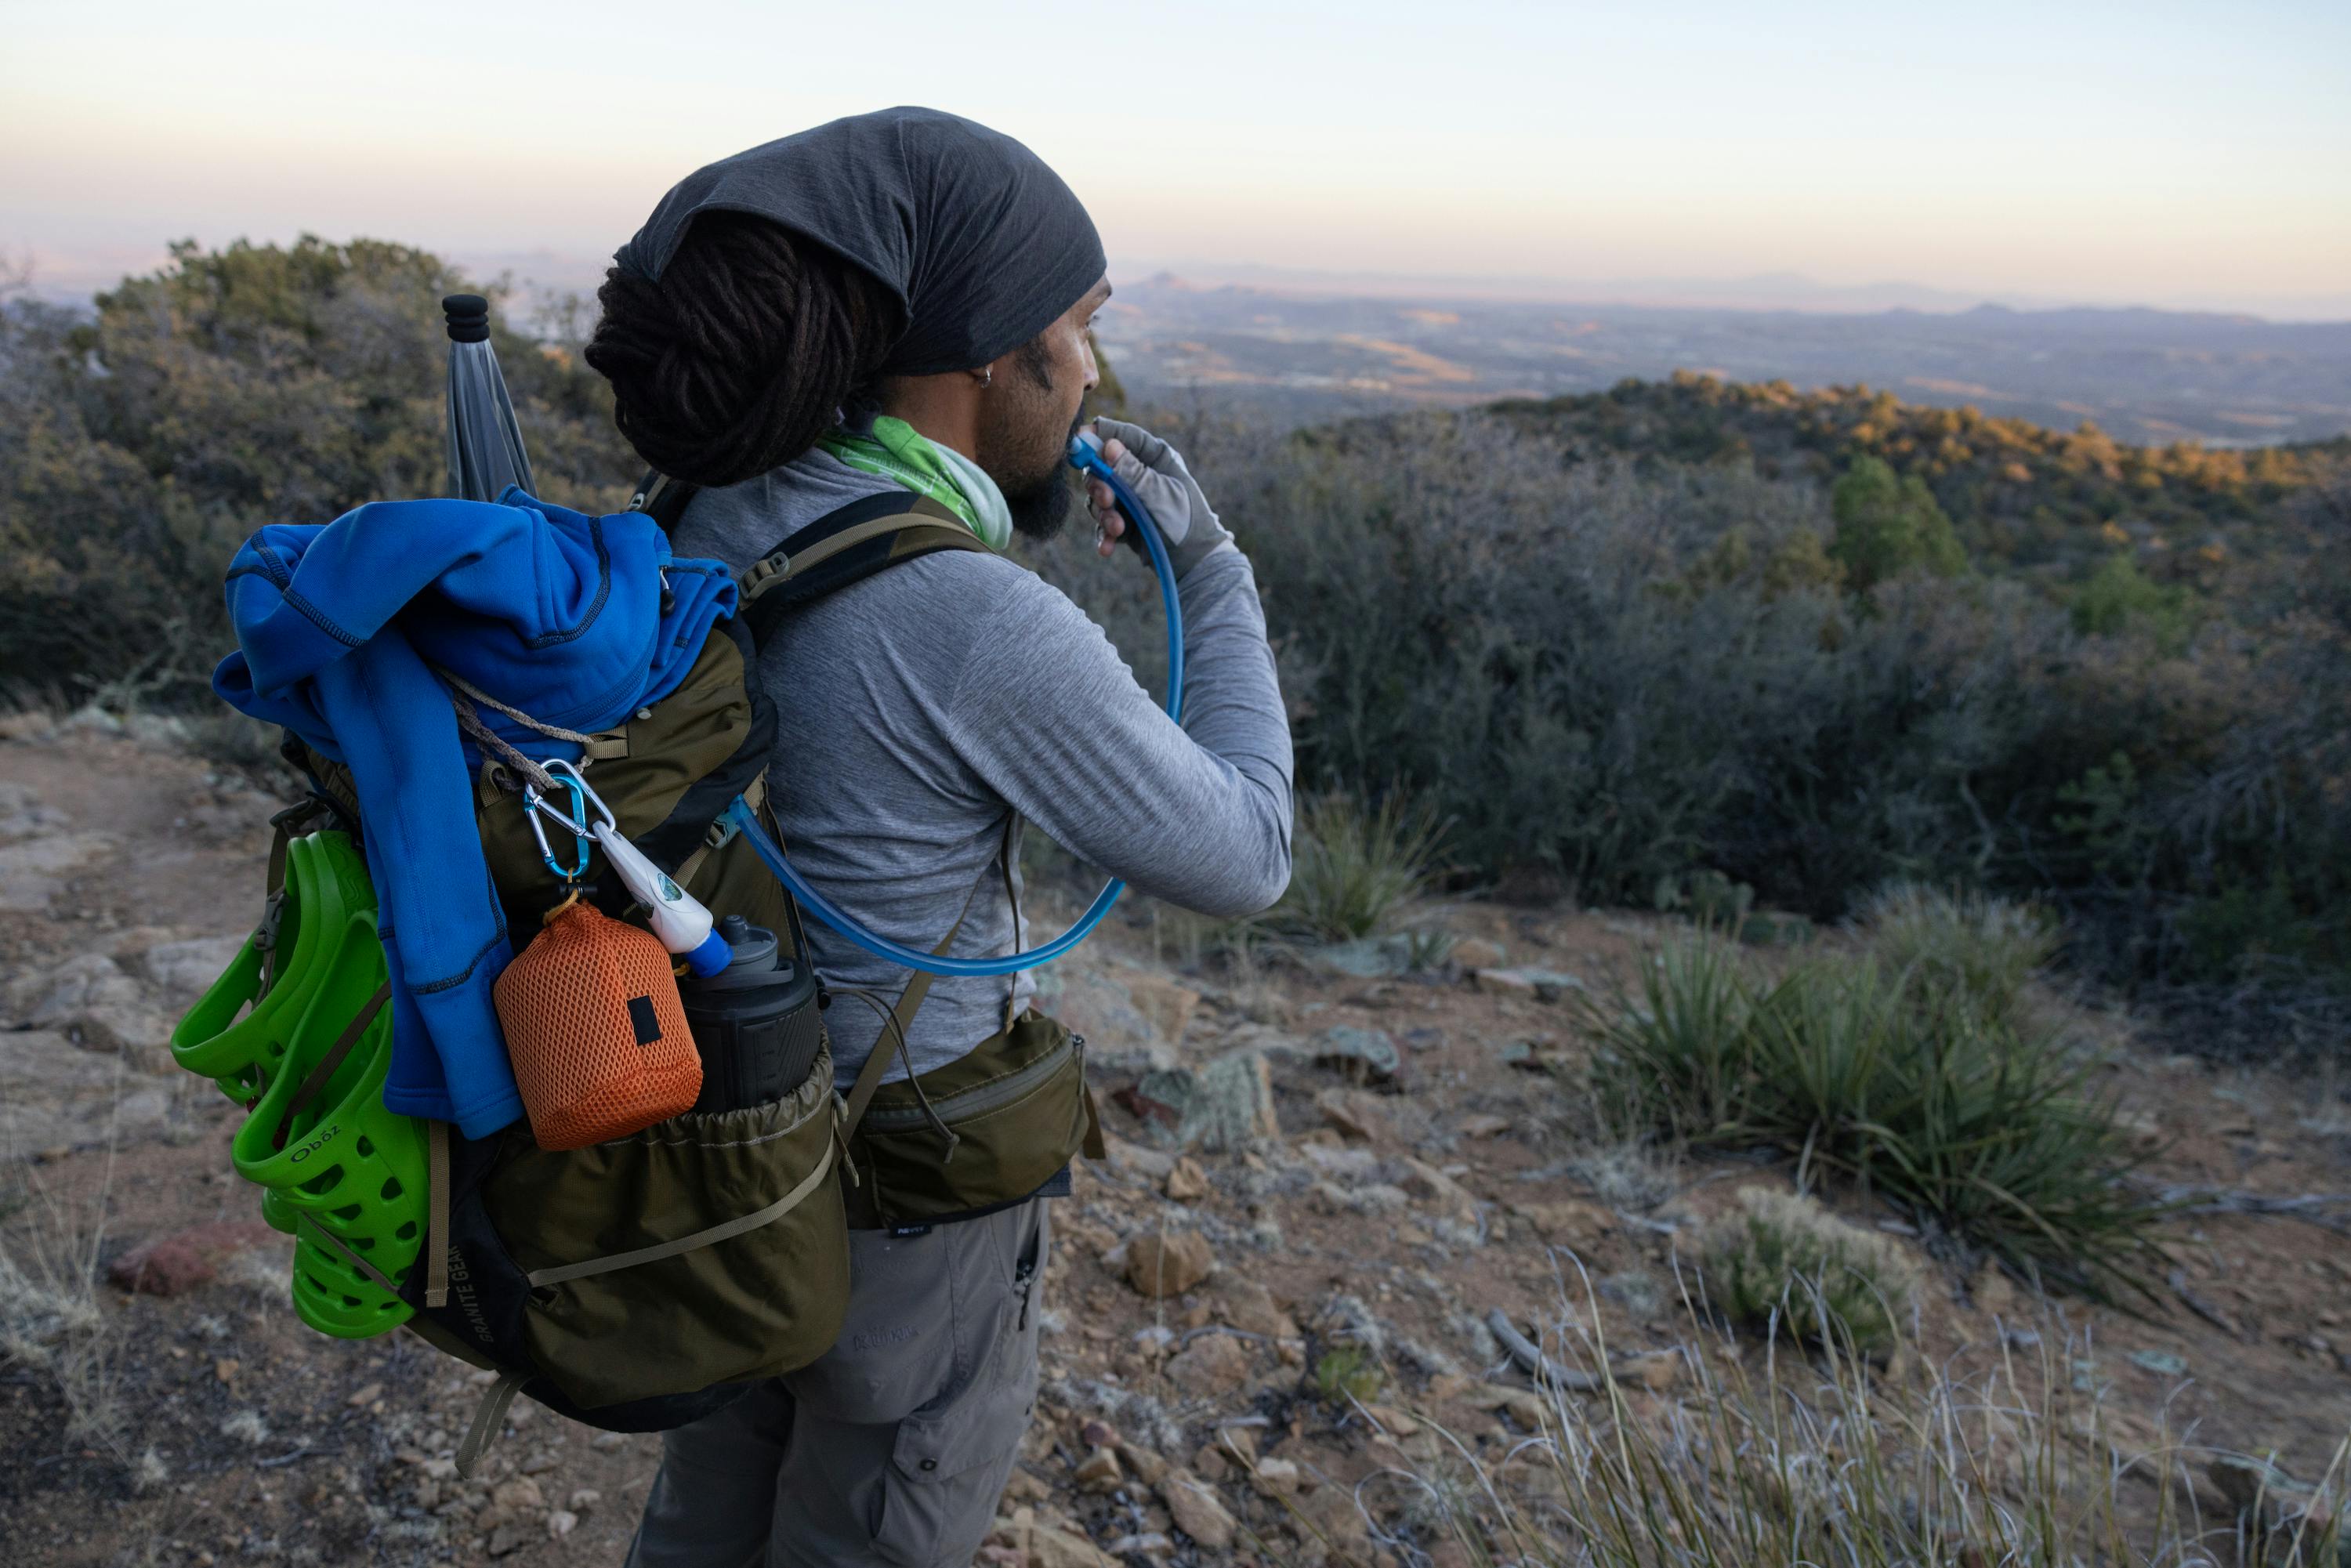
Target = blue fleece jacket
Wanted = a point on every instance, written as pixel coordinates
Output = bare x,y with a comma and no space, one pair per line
555,613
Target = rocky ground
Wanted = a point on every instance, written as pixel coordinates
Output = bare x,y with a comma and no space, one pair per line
1311,1154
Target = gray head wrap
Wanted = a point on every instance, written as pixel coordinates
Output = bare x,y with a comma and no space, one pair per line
981,242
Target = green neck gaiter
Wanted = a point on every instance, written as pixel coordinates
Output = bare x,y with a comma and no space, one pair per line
893,449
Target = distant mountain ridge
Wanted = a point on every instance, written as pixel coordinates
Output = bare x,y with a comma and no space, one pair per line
2145,375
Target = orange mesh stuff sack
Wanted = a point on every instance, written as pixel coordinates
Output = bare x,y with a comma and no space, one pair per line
595,1030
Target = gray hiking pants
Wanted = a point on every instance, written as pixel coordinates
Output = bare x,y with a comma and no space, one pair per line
894,1448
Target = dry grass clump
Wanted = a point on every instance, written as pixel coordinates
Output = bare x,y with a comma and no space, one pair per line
1782,1261
50,1320
1798,1463
1962,944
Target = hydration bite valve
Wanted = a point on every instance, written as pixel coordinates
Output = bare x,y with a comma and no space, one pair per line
1086,455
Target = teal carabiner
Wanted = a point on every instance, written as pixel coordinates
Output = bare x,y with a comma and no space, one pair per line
534,805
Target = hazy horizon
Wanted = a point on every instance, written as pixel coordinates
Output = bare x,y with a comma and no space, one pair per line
2092,156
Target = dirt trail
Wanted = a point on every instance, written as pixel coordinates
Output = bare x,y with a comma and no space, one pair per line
1395,1208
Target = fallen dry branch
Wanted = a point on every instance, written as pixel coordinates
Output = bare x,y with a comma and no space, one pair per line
1537,1365
2311,1207
2202,1308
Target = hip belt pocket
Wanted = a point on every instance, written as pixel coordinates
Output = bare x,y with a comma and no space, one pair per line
988,1129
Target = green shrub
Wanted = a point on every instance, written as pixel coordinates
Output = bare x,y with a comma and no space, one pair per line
1910,1093
1781,1260
142,443
2119,597
1347,1372
1888,525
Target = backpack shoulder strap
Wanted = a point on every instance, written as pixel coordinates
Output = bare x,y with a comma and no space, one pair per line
891,1041
847,545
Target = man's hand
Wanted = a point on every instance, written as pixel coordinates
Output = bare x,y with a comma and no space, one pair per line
1154,471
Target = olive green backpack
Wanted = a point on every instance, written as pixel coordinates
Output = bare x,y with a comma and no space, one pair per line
645,1283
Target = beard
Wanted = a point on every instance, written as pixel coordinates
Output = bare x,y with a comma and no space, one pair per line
1041,500
1041,510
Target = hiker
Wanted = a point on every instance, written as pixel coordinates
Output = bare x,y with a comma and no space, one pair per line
900,303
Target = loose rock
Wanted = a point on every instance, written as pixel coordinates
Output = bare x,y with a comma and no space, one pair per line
1522,1406
1214,1363
1364,1055
1099,1471
1052,1546
1187,1181
1250,1307
1142,1463
1542,984
1425,1181
1196,1510
1151,1164
1656,1370
1232,1106
521,1492
1571,1220
1168,1264
1472,954
1276,1477
165,1267
185,969
1356,1115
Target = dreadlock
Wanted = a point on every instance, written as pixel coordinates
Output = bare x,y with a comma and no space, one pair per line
742,354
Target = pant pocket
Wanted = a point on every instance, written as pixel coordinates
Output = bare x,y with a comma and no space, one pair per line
950,1460
947,1470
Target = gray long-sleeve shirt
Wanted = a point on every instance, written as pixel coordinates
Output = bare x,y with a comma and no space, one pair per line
915,708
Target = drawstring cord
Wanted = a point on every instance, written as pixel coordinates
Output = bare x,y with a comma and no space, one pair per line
906,1055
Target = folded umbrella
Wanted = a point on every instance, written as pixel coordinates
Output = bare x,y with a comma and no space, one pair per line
485,451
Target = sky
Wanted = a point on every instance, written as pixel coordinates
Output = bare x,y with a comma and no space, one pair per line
2059,151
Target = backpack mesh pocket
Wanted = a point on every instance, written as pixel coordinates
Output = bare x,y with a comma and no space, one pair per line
595,1030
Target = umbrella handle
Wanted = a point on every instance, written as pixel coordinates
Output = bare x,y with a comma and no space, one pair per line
468,316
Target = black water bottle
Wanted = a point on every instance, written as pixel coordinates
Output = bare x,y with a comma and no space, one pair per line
755,1022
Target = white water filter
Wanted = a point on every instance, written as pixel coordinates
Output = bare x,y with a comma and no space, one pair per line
679,920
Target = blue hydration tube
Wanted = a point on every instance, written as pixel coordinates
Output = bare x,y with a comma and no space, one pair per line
1085,455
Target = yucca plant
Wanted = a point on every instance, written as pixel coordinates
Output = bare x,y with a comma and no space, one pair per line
1354,869
1678,1053
1909,1091
1824,1040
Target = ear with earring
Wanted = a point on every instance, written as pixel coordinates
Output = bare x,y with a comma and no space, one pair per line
988,375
